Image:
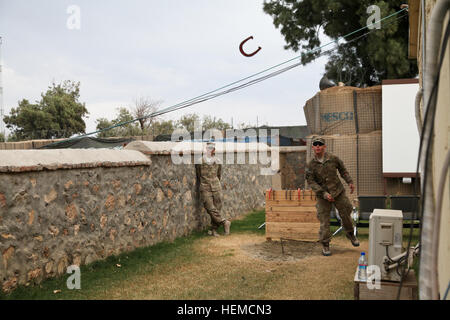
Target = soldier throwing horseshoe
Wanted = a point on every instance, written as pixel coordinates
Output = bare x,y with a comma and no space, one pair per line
321,174
209,174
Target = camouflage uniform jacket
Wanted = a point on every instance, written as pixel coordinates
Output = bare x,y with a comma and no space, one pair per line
323,178
209,176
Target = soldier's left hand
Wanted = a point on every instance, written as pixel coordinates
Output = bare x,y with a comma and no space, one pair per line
352,188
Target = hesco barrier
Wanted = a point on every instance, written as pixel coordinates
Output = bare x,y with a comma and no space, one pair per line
344,110
362,156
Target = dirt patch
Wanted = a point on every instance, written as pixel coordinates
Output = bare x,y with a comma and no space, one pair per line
242,267
287,250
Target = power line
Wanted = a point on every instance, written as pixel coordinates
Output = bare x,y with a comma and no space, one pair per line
214,93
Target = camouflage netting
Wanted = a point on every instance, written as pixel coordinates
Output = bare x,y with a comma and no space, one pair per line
344,110
362,156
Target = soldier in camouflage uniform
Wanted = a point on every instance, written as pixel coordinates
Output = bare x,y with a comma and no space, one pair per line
321,174
209,174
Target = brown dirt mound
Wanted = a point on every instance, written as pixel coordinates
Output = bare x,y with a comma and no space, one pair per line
286,250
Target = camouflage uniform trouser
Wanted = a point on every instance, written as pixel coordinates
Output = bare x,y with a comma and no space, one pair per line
343,205
212,202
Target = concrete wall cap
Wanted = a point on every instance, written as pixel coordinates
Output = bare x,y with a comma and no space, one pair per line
194,147
30,160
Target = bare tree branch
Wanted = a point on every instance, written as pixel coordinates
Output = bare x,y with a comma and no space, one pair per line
143,107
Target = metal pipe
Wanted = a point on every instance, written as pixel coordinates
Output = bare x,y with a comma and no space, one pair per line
419,119
428,282
422,5
401,255
437,219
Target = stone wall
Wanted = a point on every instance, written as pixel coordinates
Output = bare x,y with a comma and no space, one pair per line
54,215
292,166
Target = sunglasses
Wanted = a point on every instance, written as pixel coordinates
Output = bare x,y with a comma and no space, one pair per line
316,144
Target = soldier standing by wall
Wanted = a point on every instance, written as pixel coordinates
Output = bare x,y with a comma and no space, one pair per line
209,174
321,174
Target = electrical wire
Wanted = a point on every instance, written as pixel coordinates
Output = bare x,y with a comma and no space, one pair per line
207,97
210,95
339,122
387,253
446,291
295,58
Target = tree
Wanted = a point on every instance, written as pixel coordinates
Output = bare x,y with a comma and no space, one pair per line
244,126
126,130
382,54
103,123
156,127
212,123
143,107
159,127
58,114
187,121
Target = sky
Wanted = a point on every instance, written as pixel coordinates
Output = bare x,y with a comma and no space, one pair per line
169,50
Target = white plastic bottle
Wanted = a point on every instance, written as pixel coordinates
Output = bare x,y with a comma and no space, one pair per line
362,267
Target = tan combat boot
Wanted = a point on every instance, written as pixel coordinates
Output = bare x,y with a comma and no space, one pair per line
353,239
226,227
213,233
326,249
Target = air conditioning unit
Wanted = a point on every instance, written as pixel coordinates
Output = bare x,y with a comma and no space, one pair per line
385,242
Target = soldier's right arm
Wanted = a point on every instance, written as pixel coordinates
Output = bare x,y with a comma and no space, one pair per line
318,190
343,171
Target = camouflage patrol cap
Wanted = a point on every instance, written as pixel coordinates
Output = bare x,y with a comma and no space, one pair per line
318,139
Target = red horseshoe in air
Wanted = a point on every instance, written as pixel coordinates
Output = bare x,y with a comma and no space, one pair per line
242,50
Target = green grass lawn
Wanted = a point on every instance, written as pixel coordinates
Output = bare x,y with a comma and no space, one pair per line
140,261
101,277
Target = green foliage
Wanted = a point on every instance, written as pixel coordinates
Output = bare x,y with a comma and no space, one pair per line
2,137
162,127
211,123
126,130
382,54
156,126
188,121
58,114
